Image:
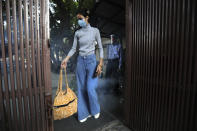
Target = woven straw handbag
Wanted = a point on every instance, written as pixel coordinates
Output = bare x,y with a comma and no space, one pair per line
65,102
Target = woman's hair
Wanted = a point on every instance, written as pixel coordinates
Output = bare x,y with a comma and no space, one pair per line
84,12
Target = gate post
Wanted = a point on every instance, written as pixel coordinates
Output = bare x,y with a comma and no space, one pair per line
47,66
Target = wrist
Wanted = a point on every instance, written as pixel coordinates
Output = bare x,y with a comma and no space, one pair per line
101,61
66,59
100,65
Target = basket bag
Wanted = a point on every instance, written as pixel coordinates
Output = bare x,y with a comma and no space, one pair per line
65,102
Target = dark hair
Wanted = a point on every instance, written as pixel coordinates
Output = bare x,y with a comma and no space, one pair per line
84,12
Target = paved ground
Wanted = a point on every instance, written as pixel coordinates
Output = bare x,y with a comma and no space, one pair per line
111,105
115,125
106,122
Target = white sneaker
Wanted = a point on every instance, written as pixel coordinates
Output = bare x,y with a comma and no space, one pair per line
83,120
97,116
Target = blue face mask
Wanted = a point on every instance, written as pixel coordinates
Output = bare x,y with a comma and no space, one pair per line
82,23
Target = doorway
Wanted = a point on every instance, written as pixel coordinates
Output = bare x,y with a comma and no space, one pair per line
109,17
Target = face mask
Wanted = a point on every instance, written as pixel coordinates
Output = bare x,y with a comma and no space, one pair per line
82,23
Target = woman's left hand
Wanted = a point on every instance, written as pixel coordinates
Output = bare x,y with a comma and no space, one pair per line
99,70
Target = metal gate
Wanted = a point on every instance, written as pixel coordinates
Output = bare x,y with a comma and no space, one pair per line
161,73
25,83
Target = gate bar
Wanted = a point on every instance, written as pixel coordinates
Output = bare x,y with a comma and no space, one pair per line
37,37
33,66
2,115
12,90
28,64
18,79
8,109
23,71
194,78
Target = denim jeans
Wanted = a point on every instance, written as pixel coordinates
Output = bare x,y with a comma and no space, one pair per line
87,83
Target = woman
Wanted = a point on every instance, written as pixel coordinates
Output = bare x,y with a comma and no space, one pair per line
87,69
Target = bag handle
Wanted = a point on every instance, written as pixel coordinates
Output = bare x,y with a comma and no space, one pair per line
60,82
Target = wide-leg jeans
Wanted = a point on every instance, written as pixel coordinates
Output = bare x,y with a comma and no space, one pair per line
87,83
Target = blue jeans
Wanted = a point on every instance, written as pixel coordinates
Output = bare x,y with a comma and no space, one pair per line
87,83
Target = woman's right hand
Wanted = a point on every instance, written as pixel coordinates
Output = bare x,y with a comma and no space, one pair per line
64,63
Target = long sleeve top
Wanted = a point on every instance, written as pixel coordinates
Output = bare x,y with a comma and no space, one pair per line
115,52
86,38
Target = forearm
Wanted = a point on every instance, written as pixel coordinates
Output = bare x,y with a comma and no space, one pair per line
101,62
73,49
67,58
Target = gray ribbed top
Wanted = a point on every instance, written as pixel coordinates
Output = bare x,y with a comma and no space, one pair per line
86,38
